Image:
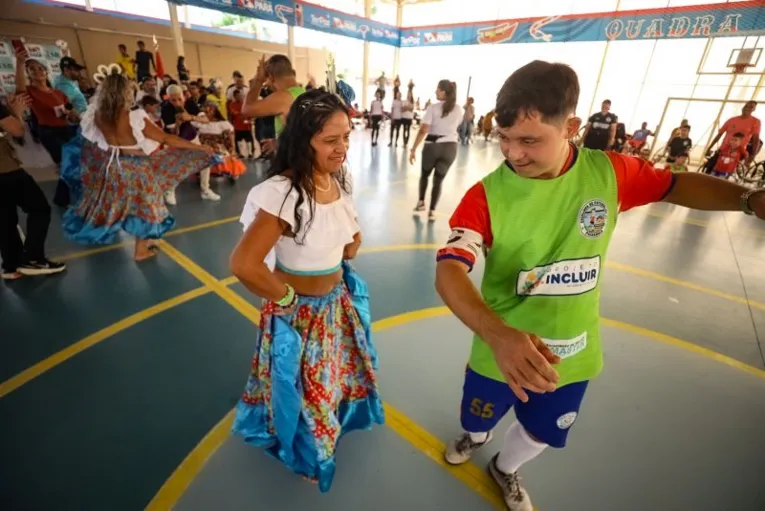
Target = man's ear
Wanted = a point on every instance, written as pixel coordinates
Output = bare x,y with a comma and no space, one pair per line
572,126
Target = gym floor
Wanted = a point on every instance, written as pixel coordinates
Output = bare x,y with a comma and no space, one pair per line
117,379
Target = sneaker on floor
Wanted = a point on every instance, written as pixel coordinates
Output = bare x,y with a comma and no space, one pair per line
462,448
170,199
419,207
516,497
43,267
432,216
210,195
10,275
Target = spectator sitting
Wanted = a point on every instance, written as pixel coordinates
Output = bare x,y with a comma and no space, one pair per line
729,155
152,107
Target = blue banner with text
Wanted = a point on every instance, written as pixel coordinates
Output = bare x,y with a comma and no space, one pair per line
307,15
672,23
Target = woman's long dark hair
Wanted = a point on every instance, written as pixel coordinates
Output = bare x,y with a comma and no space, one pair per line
295,156
450,89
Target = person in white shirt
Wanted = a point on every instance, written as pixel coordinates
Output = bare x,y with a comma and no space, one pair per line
407,115
396,114
439,131
238,85
376,115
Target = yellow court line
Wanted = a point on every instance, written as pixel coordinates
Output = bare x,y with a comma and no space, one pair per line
176,232
191,466
470,474
674,341
609,264
91,251
246,308
683,283
474,477
52,361
229,296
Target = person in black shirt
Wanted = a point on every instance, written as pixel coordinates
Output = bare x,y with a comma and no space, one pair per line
196,99
183,72
681,144
142,60
600,132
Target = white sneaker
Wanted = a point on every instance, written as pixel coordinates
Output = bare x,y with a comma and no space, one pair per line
210,195
516,497
462,448
170,198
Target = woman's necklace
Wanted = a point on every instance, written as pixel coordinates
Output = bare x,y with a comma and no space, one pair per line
323,190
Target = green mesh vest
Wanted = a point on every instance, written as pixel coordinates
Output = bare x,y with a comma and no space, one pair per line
543,271
294,91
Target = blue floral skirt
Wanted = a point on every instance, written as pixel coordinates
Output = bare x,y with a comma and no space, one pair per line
312,380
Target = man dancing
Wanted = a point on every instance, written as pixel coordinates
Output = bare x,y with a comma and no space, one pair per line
536,319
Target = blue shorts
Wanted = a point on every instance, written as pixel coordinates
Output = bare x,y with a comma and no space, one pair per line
548,417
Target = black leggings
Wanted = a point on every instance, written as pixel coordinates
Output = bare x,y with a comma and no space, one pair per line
395,126
407,124
376,127
19,190
439,157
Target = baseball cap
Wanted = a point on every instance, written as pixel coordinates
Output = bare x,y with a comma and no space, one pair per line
70,63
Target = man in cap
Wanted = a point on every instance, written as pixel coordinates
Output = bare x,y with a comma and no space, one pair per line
68,83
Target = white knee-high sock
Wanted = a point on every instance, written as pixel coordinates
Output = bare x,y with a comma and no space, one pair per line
519,448
204,179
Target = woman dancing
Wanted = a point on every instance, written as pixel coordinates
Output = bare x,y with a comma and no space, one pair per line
312,377
124,171
439,130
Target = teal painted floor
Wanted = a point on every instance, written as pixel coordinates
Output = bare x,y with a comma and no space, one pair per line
107,427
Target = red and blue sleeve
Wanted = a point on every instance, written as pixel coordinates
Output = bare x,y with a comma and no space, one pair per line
471,228
638,182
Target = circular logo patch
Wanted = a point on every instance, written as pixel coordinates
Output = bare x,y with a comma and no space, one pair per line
593,217
566,420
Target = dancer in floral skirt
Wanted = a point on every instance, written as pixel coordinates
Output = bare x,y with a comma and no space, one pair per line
312,377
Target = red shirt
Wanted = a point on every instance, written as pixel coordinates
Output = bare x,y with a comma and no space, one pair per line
749,126
237,119
43,105
729,158
638,183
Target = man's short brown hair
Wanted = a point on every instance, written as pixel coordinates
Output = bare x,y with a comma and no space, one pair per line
552,90
280,66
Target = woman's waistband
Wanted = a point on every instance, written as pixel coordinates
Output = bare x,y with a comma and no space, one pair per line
309,273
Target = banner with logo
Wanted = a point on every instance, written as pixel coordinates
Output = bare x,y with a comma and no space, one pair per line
672,23
48,55
302,14
697,21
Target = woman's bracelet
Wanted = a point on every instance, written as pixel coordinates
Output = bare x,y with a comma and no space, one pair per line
288,297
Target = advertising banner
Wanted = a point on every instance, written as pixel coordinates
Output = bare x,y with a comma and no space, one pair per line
672,23
303,14
697,21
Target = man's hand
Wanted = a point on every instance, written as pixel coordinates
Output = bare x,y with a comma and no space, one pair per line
260,74
525,361
412,156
